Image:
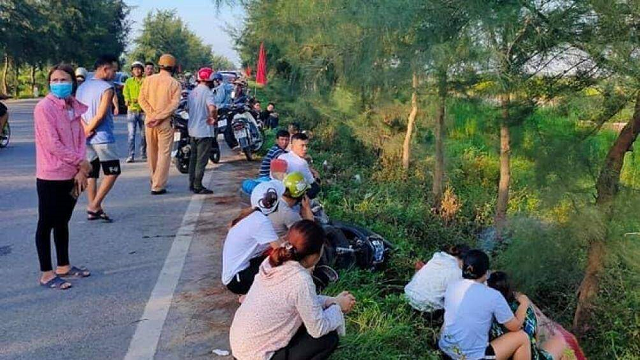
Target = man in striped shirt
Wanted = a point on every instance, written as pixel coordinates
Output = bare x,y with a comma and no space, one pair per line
282,141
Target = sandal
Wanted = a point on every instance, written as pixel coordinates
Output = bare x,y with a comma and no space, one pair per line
98,215
56,283
77,272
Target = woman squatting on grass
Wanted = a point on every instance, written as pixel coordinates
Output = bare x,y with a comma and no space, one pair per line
470,307
282,317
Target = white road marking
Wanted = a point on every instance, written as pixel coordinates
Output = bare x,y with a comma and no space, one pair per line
145,340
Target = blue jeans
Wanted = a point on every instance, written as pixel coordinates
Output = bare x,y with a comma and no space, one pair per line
135,120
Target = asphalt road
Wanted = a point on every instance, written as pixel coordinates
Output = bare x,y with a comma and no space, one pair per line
97,318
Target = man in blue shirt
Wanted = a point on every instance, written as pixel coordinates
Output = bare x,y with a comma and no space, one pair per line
97,94
202,117
282,141
222,92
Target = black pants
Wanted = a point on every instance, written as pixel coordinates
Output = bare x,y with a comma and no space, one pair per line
55,207
313,192
303,347
199,158
242,281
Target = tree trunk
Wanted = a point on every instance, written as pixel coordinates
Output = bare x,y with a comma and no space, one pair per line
406,147
5,73
16,90
33,80
438,174
505,169
609,179
607,187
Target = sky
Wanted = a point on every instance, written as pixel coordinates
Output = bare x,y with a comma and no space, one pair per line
202,17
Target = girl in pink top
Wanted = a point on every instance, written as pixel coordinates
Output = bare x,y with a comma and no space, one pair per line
61,172
282,317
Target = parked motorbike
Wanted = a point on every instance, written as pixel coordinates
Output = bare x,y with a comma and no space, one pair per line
181,150
241,129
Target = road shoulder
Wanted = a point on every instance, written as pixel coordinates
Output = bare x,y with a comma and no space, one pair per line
202,309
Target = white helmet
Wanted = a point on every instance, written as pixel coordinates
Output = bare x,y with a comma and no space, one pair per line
266,196
137,63
82,72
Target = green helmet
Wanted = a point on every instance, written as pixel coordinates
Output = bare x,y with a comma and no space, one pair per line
295,184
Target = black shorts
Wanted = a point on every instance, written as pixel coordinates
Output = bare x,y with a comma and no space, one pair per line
105,155
110,167
242,281
489,353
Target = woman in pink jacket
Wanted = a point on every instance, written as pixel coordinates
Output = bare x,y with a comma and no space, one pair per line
61,172
281,316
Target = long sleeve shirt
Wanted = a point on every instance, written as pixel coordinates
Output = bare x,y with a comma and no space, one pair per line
159,96
222,95
281,299
131,92
59,138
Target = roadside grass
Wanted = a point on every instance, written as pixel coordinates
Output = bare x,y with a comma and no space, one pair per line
554,168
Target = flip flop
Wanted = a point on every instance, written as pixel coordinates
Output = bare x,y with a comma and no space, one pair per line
77,272
56,283
98,215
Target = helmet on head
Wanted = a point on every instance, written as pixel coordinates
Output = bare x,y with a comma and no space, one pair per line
205,74
167,60
266,196
217,76
295,184
82,72
240,81
137,64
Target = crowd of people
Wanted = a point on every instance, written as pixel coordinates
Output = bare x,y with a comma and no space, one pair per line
273,246
75,141
482,316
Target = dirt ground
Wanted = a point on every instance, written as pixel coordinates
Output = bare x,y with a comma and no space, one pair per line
202,308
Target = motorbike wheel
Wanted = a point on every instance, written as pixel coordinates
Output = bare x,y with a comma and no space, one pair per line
215,155
248,153
182,164
229,138
5,136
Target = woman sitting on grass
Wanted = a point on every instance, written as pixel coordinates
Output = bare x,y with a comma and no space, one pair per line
282,317
251,234
426,290
469,310
552,349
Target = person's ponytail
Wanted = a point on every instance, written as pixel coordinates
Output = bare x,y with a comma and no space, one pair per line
305,238
281,255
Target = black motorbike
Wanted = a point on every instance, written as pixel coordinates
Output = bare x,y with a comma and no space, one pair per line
181,150
240,128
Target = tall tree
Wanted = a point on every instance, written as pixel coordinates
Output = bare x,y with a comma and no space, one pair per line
164,32
611,36
519,36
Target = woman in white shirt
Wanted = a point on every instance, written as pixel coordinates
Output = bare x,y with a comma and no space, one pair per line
426,290
251,234
282,317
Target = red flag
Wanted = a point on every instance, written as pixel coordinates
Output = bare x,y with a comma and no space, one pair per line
261,75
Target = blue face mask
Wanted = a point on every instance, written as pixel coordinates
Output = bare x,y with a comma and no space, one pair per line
61,90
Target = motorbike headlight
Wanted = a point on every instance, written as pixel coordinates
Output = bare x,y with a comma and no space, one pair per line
184,115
